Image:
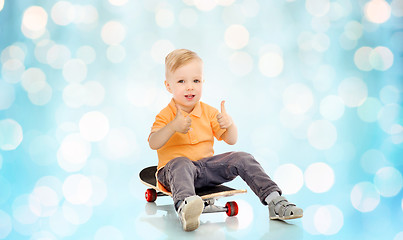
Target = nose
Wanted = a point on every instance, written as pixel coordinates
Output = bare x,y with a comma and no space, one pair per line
189,86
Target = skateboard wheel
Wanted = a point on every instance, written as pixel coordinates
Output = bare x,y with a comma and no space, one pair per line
151,195
232,208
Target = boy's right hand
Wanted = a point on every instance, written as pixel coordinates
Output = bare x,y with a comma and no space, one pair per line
181,123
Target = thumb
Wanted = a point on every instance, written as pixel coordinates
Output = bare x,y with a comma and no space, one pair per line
223,107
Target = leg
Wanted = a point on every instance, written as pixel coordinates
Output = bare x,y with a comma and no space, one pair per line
178,176
225,167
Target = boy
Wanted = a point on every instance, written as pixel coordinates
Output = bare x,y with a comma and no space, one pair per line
183,135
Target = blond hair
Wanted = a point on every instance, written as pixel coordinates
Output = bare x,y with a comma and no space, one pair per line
177,58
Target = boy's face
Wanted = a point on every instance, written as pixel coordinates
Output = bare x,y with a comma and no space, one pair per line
186,84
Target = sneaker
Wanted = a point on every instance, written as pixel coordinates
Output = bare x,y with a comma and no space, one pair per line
189,212
280,208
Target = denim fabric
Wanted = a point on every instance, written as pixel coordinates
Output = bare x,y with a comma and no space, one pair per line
182,176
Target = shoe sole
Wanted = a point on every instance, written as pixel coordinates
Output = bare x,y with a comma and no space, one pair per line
286,218
191,213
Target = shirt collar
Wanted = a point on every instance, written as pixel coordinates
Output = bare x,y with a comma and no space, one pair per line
196,110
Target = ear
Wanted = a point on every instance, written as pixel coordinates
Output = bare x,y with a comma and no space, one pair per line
167,86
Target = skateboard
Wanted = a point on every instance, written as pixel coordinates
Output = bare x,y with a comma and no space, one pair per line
208,194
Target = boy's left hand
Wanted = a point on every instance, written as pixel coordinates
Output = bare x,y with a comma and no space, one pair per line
223,118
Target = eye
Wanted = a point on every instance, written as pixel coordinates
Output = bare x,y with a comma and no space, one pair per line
181,81
196,80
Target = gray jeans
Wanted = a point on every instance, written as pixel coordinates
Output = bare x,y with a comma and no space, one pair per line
181,176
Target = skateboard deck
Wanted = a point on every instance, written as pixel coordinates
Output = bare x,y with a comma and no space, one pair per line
208,194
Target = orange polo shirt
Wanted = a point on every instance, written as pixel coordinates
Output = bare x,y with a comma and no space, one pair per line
198,142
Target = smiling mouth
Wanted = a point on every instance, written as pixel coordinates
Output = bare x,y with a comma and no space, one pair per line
190,96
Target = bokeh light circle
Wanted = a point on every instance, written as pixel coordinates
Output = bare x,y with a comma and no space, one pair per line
113,33
365,197
43,201
33,80
381,58
35,18
289,177
328,220
86,54
319,177
116,53
160,49
7,95
73,152
74,71
164,18
388,181
12,70
271,64
389,94
94,126
377,11
389,116
11,134
63,13
361,58
297,98
6,225
322,134
317,8
353,91
77,189
332,107
236,36
369,110
373,160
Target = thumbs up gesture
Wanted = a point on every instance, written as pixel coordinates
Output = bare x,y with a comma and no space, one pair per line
223,118
181,123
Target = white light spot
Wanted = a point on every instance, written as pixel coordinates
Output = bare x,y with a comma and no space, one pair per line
1,5
353,30
99,191
113,33
118,2
43,201
322,134
308,221
86,54
389,116
59,225
365,197
353,91
205,5
76,214
6,225
73,152
328,220
361,58
94,93
119,144
108,232
13,52
271,64
297,98
160,49
41,97
63,13
74,95
369,110
332,107
75,71
388,181
289,178
77,189
33,80
319,177
377,11
141,94
372,160
317,8
35,18
7,95
94,126
381,58
241,63
399,236
164,18
397,10
389,94
12,70
10,134
58,55
236,36
116,53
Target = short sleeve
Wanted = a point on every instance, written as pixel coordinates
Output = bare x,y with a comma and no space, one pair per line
160,121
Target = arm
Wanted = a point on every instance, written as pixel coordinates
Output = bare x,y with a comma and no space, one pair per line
231,135
180,124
